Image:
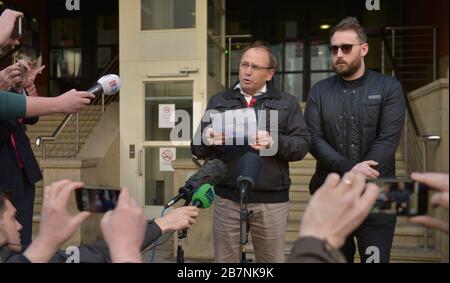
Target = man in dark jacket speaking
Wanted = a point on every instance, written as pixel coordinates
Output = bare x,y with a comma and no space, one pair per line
282,138
355,120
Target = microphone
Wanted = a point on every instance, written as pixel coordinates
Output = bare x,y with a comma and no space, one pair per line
109,85
212,173
248,170
203,196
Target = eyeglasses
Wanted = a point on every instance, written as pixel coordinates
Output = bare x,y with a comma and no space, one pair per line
345,48
245,65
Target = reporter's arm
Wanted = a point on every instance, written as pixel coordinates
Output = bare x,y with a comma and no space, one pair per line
314,250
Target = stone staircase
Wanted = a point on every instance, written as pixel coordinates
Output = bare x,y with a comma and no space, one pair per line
63,147
408,239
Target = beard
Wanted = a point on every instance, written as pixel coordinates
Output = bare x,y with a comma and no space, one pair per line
345,69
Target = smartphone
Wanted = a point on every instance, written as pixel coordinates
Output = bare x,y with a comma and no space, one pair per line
401,197
18,29
97,199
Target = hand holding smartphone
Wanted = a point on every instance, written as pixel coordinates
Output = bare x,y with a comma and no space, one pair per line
97,199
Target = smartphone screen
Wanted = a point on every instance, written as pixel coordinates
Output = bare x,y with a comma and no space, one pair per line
97,199
401,197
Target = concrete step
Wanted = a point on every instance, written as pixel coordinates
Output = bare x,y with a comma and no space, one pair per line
299,195
54,124
311,164
399,253
308,156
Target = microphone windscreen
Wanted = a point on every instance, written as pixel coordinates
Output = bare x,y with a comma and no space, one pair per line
110,84
203,196
249,168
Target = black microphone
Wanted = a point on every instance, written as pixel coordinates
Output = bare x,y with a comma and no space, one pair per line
109,85
248,170
212,173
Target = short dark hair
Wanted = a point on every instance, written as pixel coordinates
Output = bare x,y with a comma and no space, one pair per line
262,45
350,23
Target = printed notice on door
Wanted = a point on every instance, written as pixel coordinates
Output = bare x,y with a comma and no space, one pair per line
166,117
166,156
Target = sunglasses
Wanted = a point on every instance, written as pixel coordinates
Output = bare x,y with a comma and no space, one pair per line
345,48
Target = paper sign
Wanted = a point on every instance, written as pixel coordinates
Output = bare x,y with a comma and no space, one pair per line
166,156
166,117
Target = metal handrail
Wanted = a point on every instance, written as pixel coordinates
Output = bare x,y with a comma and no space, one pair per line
408,27
412,141
41,140
230,39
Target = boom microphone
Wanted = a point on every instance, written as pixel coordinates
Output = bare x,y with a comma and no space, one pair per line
212,173
108,85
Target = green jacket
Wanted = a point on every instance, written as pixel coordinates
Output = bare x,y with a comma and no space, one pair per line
12,105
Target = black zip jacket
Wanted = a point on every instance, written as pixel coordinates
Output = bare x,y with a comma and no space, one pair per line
354,121
293,144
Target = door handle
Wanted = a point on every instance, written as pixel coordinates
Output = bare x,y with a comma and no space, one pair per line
140,173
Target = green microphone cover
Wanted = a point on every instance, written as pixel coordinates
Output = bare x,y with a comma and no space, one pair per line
204,196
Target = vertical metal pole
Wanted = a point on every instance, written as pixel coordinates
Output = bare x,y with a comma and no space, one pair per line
434,55
406,143
43,148
393,52
424,166
103,103
77,134
229,62
382,57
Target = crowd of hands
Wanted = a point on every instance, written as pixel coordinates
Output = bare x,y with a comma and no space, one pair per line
333,213
22,74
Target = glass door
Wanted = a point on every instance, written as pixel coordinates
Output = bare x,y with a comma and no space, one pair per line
167,131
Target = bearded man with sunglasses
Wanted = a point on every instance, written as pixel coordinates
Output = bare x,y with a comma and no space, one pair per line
355,119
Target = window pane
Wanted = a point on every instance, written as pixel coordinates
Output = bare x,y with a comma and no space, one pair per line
65,63
294,56
167,94
167,14
293,84
214,17
159,184
277,50
320,57
66,32
317,77
214,59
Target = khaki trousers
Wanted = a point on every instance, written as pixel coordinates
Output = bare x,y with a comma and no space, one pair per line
267,229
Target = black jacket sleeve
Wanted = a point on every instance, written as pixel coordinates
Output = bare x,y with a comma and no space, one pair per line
295,143
99,252
329,158
313,250
390,126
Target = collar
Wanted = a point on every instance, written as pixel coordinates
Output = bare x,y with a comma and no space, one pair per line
261,91
355,83
235,92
